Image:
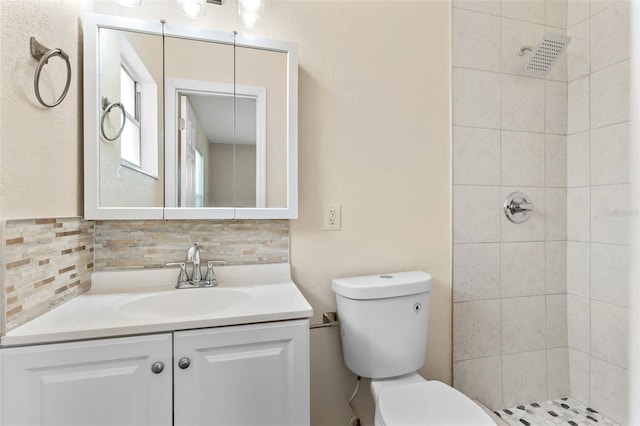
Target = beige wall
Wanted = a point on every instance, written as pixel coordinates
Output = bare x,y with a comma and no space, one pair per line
373,135
40,148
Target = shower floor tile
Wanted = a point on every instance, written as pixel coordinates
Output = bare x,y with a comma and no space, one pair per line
564,411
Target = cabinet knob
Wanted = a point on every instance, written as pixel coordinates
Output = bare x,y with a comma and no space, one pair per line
157,367
184,363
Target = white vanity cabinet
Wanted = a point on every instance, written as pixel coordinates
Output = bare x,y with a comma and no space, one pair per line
242,375
96,382
254,374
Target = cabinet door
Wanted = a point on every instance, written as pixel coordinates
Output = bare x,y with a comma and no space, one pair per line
243,375
98,382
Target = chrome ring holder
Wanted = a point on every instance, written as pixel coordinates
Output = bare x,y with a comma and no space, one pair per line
517,207
107,107
43,54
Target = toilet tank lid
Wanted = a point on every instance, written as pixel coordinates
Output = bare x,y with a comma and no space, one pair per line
383,285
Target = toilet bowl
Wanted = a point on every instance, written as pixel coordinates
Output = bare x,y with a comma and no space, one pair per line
383,325
411,400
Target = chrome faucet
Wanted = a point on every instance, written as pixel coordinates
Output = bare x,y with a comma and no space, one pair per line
196,280
193,256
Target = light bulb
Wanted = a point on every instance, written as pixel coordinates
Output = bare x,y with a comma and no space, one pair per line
129,3
191,8
250,12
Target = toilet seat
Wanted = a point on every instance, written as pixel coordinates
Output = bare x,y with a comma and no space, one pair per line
428,403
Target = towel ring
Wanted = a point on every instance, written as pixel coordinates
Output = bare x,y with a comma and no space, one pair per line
42,54
107,107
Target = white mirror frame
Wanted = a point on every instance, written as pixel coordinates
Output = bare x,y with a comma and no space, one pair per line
92,210
91,86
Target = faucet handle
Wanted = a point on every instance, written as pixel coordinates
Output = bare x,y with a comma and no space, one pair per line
183,276
211,276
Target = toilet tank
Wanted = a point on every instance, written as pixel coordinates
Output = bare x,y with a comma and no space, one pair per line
383,322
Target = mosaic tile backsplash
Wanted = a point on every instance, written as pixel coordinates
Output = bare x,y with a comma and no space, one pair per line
151,243
46,262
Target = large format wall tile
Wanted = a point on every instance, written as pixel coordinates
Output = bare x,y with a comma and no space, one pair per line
556,320
578,216
556,267
610,89
556,209
522,103
555,167
558,372
611,214
476,98
476,271
523,324
522,159
523,269
491,7
476,213
476,329
524,378
481,379
578,52
525,10
578,320
611,154
555,111
476,40
577,11
608,390
610,269
609,333
579,375
476,156
610,36
578,159
578,106
578,270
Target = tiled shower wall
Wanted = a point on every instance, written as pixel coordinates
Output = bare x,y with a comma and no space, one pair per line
518,305
509,134
598,208
45,262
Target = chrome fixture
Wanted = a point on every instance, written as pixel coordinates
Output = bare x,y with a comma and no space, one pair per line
545,54
42,54
193,256
107,106
517,207
196,280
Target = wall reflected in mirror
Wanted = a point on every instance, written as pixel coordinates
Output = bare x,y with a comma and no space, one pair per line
131,166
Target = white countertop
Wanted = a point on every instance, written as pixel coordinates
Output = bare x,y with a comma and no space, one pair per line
115,307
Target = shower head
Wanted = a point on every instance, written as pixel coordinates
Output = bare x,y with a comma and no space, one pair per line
545,54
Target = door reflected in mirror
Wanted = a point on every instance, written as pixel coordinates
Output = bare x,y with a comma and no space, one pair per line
130,149
219,166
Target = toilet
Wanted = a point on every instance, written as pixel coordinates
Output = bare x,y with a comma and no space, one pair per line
383,324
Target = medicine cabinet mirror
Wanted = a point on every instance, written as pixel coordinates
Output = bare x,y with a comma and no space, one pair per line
187,123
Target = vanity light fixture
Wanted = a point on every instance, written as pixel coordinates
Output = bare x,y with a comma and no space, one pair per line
193,9
129,3
249,12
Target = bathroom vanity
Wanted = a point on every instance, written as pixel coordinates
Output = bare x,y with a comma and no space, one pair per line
136,351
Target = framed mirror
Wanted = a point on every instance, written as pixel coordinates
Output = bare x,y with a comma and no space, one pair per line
226,131
124,144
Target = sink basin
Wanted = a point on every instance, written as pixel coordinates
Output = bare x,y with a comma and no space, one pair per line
184,303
